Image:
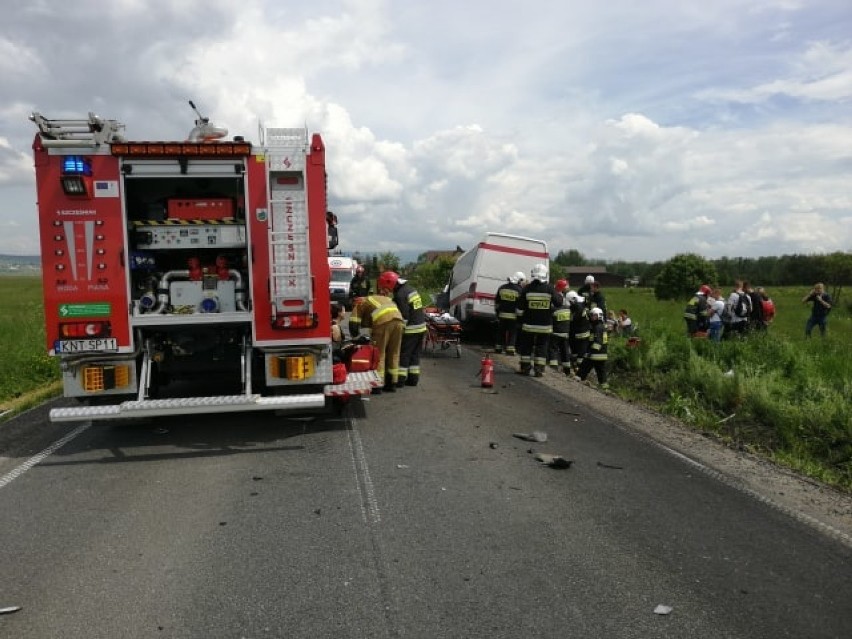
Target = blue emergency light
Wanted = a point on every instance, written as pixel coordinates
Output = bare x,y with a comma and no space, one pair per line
76,165
76,176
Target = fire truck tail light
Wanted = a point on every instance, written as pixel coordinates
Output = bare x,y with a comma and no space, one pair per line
83,330
104,377
294,320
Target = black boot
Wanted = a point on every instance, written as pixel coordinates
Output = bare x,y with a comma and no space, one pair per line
412,379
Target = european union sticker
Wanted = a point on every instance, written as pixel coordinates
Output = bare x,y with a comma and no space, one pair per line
106,188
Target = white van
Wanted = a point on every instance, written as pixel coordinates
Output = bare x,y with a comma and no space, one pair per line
479,272
342,271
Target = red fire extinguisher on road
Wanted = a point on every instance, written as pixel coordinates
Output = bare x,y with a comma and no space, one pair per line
487,372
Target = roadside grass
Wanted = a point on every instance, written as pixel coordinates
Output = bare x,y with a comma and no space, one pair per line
26,371
776,393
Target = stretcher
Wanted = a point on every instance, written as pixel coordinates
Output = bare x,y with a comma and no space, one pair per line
443,331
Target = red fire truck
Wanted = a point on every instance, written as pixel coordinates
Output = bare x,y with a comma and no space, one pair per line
186,276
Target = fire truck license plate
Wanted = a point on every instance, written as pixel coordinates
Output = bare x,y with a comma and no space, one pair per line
87,345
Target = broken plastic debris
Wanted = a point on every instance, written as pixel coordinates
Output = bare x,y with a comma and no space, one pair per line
535,436
554,461
560,462
9,610
402,466
662,610
613,466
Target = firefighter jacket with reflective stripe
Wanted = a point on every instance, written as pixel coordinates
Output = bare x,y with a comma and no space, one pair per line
580,324
411,306
697,310
562,320
535,307
506,301
599,339
374,310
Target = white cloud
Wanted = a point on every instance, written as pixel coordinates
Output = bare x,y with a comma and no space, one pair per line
674,127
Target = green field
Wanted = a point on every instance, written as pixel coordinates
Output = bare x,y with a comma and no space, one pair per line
25,365
777,394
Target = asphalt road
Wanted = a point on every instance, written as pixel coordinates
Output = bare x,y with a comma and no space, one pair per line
419,516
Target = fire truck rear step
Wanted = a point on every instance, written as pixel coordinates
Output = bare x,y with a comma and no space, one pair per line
188,406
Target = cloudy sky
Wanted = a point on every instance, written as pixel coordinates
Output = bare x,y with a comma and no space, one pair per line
626,130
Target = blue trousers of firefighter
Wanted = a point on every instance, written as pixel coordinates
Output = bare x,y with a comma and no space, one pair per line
532,349
409,359
560,353
507,333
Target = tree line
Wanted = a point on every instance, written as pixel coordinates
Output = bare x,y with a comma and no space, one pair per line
785,270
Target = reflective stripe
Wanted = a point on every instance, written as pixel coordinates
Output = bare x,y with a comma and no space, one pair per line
537,328
415,328
508,316
598,357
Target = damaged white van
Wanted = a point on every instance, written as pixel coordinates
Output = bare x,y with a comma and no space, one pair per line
479,272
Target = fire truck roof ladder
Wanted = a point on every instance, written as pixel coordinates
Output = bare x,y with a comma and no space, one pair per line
91,132
289,239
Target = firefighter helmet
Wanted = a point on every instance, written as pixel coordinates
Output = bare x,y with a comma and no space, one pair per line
596,313
561,285
539,272
387,281
519,277
590,279
705,290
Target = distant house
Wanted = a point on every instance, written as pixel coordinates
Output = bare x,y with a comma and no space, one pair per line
431,256
577,275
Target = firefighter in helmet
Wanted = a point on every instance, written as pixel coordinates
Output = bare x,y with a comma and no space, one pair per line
535,312
578,336
411,307
559,351
360,285
379,313
506,301
597,354
697,312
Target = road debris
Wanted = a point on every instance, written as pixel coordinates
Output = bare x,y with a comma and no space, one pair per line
9,610
535,436
402,466
492,445
662,610
554,461
613,466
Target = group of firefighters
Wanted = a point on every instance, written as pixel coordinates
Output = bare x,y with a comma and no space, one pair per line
544,324
549,324
397,322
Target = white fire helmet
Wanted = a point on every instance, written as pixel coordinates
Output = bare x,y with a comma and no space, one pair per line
516,278
572,296
539,272
590,279
596,313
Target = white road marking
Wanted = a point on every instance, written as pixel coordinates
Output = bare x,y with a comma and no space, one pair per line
9,477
